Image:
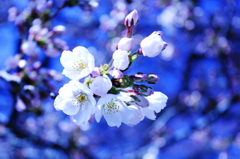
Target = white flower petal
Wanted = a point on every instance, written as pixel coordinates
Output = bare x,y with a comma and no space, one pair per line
113,119
157,101
98,113
149,113
83,114
77,64
69,108
57,103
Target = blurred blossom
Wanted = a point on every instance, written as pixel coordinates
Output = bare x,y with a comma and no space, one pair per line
12,13
59,29
168,53
29,48
51,51
12,62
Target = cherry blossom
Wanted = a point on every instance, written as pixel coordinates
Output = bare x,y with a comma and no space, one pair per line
76,99
114,110
77,64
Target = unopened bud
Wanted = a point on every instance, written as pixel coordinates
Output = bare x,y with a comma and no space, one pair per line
95,73
140,77
142,89
131,19
125,44
59,29
152,78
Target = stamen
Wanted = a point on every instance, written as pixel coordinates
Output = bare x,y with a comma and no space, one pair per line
111,107
79,100
79,65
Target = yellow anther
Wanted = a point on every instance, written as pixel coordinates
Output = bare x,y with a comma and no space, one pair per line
80,99
111,107
79,65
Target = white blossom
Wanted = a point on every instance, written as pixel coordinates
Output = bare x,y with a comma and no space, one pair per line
125,44
101,85
121,60
76,99
77,64
114,110
137,115
157,101
29,48
152,45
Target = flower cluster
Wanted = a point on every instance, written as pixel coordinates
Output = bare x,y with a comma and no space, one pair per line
106,90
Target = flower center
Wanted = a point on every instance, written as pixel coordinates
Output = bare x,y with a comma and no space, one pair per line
80,99
111,107
79,65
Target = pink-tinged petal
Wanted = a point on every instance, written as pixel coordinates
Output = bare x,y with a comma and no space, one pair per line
149,113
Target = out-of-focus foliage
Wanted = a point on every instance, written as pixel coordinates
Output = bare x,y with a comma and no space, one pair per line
199,72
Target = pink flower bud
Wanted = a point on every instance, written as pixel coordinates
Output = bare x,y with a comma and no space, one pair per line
116,73
131,19
125,44
52,51
152,45
95,73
